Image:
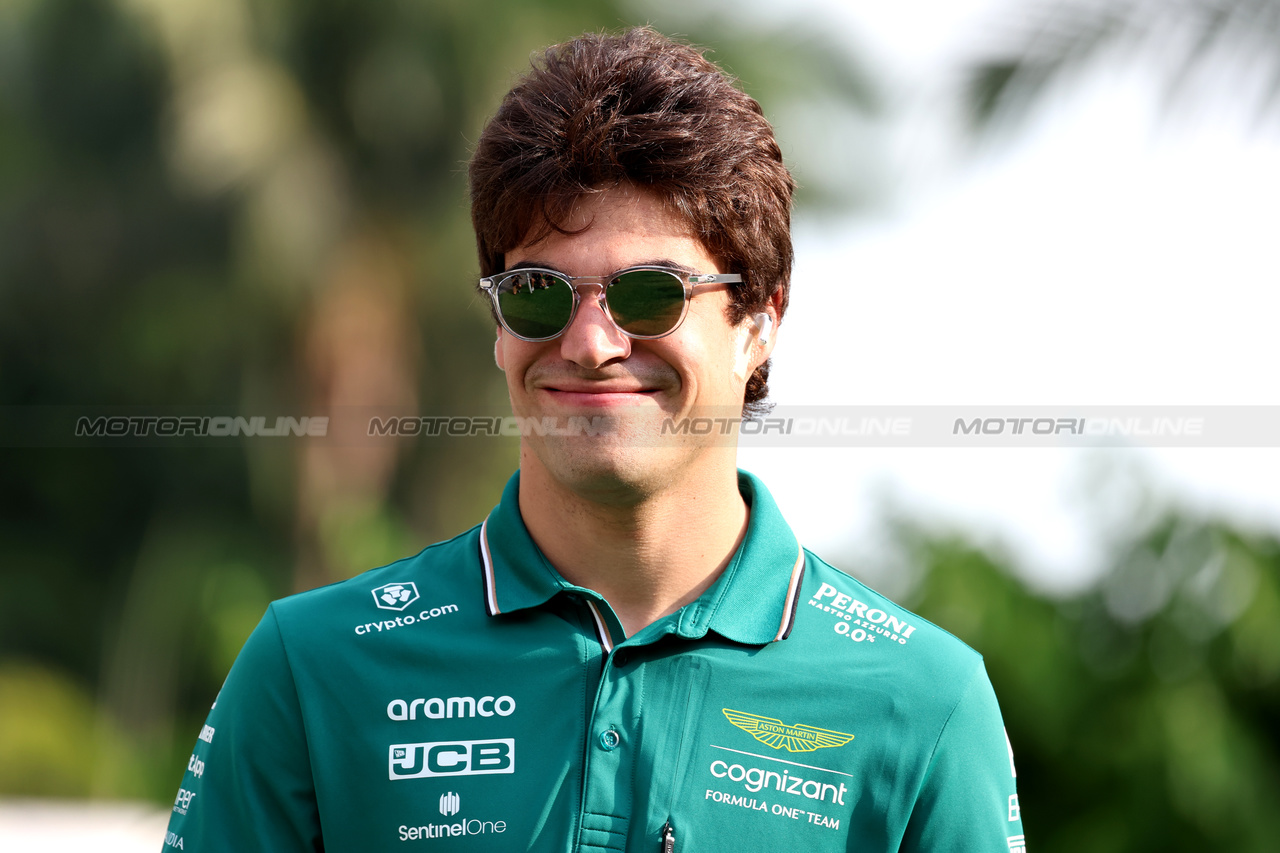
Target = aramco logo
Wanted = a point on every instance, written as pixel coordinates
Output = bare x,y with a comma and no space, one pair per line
449,804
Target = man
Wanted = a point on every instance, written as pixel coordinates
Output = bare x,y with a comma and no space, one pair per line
632,652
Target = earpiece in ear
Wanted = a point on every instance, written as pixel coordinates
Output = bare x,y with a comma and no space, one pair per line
763,327
764,323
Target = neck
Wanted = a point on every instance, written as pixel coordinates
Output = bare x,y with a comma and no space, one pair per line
648,552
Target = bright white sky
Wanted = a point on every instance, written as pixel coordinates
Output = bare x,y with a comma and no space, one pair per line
1106,253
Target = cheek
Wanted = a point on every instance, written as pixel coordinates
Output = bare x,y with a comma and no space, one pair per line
515,358
511,357
509,353
721,362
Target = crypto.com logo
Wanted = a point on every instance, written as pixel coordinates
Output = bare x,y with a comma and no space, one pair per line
395,596
450,803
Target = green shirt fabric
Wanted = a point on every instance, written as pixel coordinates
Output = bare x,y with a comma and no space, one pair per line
470,698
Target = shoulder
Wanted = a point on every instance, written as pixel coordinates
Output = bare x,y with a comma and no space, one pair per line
442,580
860,633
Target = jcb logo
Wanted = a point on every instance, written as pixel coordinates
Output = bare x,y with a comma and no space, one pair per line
452,758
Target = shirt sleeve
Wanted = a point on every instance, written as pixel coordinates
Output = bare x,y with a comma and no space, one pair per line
969,799
248,784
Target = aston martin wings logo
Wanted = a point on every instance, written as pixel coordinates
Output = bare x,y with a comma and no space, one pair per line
778,734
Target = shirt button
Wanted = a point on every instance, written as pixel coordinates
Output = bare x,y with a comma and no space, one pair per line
610,739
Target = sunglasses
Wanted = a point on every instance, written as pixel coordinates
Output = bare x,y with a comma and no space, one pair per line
645,302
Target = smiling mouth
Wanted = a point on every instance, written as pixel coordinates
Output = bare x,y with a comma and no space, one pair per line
600,396
605,388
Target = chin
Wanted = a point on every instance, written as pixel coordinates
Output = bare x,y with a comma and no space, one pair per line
610,470
624,467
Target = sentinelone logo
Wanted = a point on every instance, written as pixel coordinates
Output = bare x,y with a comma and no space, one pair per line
450,805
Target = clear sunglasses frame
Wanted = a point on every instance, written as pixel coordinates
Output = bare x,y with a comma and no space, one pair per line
694,283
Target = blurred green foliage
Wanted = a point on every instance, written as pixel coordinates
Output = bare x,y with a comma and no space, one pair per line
1144,713
260,207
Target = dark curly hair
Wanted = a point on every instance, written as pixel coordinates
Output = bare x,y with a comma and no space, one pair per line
639,108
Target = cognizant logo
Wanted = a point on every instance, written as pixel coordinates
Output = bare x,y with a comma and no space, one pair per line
452,758
436,708
755,779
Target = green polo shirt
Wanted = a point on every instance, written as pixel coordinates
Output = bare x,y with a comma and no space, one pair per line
470,698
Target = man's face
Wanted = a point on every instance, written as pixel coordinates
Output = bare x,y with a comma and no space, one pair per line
594,370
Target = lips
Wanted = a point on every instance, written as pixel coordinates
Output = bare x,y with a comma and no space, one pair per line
606,388
603,386
615,377
580,397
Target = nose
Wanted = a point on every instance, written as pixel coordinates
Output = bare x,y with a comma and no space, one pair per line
592,339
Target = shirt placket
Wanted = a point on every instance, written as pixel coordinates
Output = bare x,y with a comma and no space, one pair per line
610,743
610,757
623,752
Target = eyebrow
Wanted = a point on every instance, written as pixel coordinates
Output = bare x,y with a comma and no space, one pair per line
656,262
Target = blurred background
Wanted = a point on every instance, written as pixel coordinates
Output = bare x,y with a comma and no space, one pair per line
258,208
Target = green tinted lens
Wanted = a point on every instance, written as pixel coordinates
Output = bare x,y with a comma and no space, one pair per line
535,304
646,303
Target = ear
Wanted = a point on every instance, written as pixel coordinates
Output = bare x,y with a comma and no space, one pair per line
766,323
499,357
754,340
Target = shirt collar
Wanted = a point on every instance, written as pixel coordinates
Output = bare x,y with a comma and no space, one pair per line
753,601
